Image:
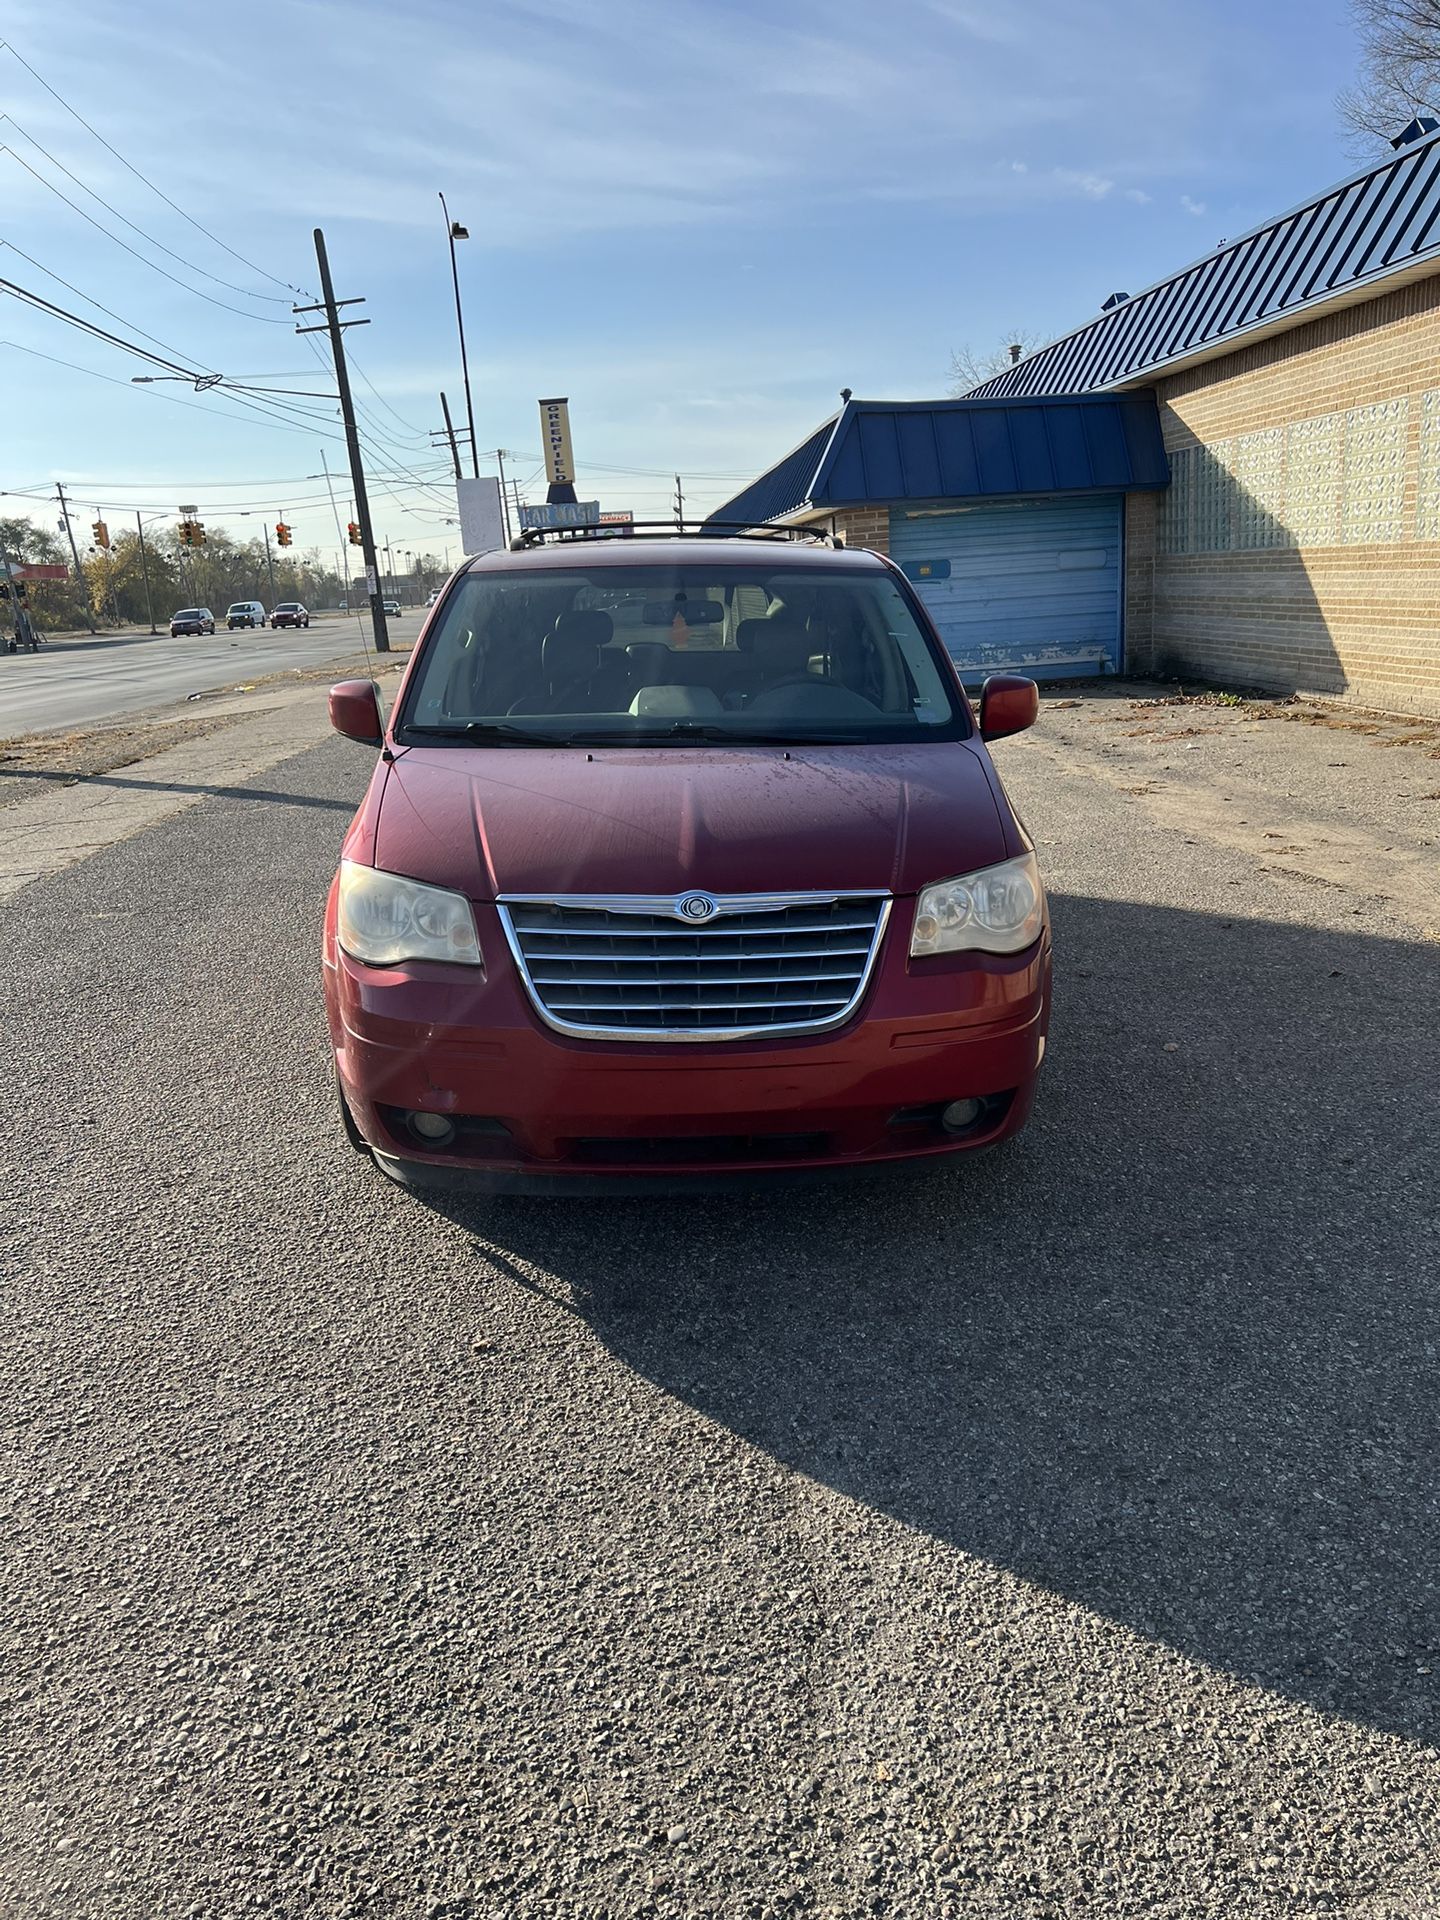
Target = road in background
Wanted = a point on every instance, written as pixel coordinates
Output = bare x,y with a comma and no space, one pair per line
1054,1536
72,682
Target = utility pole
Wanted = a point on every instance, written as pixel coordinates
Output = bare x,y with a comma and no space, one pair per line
679,505
145,571
269,563
330,307
80,579
109,576
504,501
450,435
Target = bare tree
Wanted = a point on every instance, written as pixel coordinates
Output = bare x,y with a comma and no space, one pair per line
1399,68
971,369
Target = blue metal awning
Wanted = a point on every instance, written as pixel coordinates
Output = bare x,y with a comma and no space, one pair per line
880,452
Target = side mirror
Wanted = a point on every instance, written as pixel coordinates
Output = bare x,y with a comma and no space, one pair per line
1008,704
355,712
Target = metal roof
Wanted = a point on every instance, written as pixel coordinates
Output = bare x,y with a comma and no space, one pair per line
1378,228
877,451
785,486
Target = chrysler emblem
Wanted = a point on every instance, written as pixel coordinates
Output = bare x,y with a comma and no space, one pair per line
696,907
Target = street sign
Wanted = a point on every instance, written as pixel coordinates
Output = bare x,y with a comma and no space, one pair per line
580,513
372,585
35,571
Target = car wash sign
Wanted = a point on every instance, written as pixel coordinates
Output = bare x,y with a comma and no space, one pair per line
564,513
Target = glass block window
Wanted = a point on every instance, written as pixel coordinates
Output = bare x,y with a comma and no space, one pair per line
1376,440
1427,487
1260,489
1214,490
1313,461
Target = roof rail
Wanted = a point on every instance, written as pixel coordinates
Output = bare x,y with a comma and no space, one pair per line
674,530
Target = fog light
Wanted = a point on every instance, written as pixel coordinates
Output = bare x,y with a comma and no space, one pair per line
432,1128
960,1114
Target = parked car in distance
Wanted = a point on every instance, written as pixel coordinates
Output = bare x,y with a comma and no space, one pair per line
684,859
434,595
290,613
392,609
245,613
192,620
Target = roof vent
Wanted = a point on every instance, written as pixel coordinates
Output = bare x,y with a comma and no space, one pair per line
1115,300
1422,124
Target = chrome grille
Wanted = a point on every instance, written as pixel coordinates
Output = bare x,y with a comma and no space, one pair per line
641,968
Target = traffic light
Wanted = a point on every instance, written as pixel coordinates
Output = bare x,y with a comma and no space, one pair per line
192,533
352,531
282,534
102,534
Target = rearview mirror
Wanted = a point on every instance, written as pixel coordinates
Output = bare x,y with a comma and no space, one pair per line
355,712
1008,704
695,613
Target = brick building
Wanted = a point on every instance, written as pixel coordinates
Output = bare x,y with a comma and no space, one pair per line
1295,374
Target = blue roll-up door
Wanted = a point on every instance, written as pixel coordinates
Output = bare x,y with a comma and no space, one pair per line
1032,586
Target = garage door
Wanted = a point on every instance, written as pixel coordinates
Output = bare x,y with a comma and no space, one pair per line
1030,585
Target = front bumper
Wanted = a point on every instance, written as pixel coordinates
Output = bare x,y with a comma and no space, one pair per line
540,1112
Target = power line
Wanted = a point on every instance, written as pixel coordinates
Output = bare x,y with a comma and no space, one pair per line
275,299
88,298
9,47
100,333
264,318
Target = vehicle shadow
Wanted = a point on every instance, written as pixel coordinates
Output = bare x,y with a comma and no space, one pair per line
1170,1355
44,779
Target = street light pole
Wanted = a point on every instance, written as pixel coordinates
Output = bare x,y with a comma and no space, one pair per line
145,570
269,563
454,231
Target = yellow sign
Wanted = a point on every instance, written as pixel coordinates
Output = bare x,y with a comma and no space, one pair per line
555,438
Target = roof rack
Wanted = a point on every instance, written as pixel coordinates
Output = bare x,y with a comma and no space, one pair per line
675,530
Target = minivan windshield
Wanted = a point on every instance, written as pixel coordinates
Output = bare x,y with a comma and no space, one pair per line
622,654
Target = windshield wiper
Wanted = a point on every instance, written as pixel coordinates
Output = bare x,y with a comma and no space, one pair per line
492,729
748,737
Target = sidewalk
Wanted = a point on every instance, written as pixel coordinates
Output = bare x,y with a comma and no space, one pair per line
241,737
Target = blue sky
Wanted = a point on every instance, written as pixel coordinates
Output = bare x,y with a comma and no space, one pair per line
698,218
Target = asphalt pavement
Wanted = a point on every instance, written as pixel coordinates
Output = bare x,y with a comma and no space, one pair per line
1053,1537
78,679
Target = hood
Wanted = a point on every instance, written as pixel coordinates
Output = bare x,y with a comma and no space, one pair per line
517,820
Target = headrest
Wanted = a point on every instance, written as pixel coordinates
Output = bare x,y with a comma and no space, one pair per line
595,626
574,647
781,647
747,634
650,660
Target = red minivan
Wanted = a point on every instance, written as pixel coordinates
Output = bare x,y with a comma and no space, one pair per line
683,858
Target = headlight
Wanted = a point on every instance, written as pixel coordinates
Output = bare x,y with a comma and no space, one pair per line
385,919
999,910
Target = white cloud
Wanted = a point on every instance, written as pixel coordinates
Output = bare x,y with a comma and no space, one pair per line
1139,196
1197,207
1094,186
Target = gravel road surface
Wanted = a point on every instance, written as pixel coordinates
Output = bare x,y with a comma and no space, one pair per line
1052,1538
